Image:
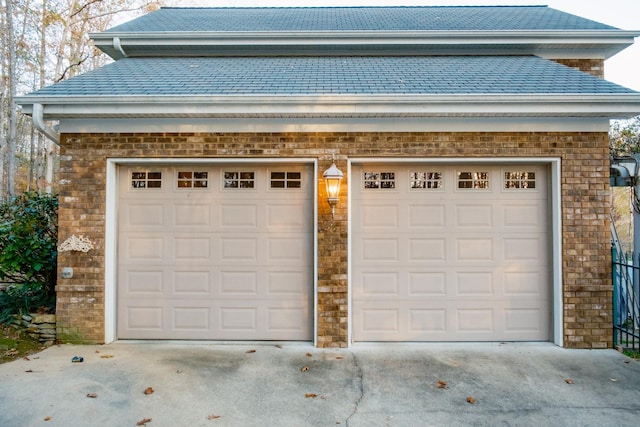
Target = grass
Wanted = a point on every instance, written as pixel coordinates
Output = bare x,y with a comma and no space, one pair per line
15,345
632,354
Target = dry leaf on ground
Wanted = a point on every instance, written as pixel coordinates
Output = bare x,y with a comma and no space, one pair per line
308,354
143,422
310,395
213,417
471,400
304,369
48,418
339,357
148,390
442,384
568,381
106,356
92,395
250,351
278,345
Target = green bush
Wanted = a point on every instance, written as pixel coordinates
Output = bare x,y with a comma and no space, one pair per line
28,253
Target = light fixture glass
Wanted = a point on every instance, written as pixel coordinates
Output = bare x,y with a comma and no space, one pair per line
333,178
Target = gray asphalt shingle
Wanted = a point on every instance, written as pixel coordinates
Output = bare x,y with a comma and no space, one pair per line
435,18
421,75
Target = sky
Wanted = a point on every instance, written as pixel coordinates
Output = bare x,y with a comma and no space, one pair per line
623,68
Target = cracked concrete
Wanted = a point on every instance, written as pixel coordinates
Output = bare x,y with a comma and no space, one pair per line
198,384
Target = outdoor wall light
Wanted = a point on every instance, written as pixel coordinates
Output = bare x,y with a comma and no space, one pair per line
333,178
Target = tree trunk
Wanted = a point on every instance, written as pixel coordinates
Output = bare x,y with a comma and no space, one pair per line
13,116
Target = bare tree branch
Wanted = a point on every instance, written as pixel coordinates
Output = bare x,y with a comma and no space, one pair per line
86,5
70,66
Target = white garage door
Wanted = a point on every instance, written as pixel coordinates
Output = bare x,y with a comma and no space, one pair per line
450,253
215,252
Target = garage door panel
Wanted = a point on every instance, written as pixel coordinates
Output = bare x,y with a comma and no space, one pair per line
215,262
147,215
474,249
286,283
234,283
458,264
288,216
192,215
144,248
426,216
474,216
238,215
144,282
427,284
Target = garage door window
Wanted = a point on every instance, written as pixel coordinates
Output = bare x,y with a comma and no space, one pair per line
519,180
425,180
286,179
473,180
379,180
140,180
192,179
237,179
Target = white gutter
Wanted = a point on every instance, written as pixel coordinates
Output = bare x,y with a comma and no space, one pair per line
38,121
507,105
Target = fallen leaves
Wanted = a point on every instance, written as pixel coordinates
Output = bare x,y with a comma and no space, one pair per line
250,351
442,384
471,400
143,422
48,418
92,395
310,395
339,357
309,354
568,381
148,390
106,356
213,417
304,369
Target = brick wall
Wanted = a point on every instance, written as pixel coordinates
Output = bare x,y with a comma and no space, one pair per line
587,290
592,66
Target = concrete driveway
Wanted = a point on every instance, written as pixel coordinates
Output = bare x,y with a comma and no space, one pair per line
298,385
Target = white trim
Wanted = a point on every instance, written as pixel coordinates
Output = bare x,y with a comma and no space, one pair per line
556,226
556,250
442,124
111,226
599,43
110,248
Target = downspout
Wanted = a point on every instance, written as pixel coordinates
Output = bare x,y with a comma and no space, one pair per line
38,121
118,46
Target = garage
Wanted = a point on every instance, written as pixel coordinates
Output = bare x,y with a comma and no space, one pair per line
215,251
451,252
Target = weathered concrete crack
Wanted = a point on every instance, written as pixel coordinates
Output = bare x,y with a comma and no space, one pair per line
360,379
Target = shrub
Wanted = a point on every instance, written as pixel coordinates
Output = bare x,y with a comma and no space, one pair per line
28,253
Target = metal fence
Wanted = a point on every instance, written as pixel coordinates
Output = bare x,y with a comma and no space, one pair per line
626,301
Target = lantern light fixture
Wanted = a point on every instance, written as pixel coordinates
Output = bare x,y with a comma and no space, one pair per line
333,178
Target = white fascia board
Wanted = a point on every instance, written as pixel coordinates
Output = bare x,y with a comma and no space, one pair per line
411,124
601,43
605,105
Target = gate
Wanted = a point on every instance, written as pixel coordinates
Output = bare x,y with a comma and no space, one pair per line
626,301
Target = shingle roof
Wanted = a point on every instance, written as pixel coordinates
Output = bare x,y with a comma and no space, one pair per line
438,18
435,75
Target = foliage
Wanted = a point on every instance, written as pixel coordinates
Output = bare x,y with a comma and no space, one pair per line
624,138
28,253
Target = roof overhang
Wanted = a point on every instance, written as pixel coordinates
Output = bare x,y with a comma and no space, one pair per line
587,44
611,106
